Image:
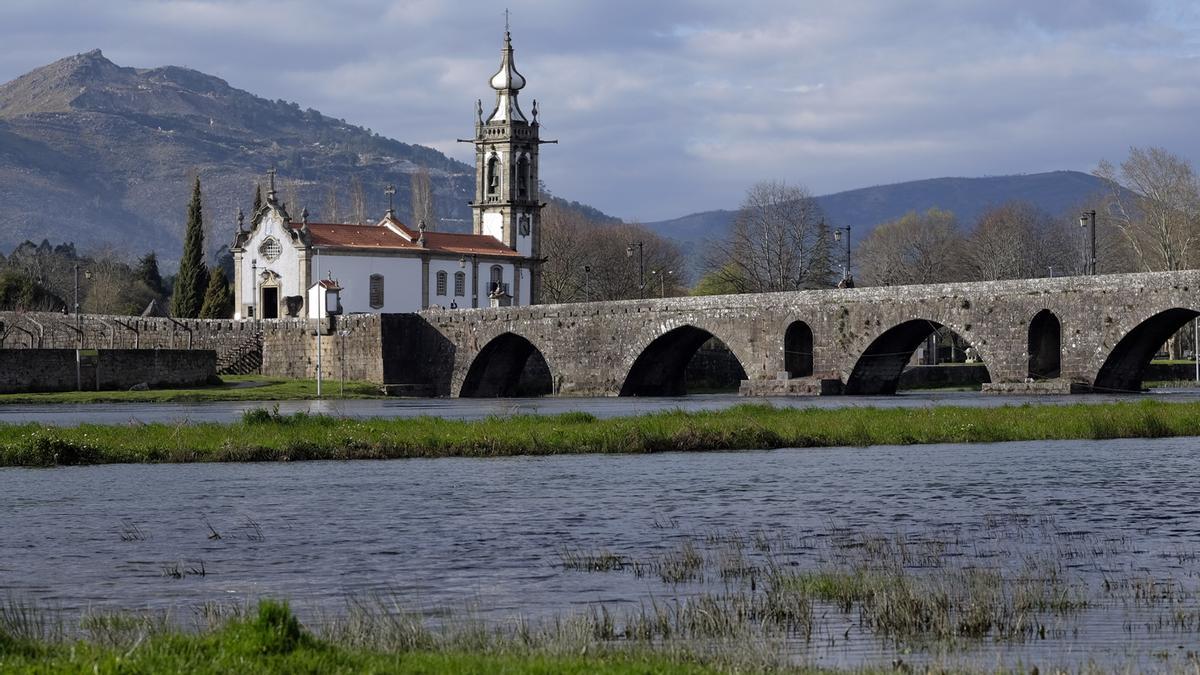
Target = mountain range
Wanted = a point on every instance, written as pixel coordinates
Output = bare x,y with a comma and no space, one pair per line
1059,193
103,156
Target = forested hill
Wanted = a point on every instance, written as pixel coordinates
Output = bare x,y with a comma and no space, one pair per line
102,155
1056,192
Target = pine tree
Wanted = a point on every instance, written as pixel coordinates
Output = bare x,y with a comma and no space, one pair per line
192,280
147,272
218,299
257,205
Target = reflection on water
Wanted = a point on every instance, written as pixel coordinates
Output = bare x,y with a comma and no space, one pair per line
469,409
1117,521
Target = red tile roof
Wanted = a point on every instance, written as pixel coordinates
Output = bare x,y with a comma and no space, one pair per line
379,237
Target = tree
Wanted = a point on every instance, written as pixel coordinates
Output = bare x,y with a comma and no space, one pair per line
422,200
331,204
718,282
147,273
916,249
779,242
218,300
192,280
1017,241
1154,200
358,201
599,261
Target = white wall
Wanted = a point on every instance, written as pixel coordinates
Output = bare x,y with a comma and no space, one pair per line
493,224
450,266
401,280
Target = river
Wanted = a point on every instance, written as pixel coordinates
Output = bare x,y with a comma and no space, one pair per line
493,534
66,414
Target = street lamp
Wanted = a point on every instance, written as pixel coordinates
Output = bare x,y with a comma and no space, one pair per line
253,288
847,280
641,265
662,281
587,283
1088,219
78,318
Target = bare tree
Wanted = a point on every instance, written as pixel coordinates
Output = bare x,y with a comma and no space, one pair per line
921,248
778,242
602,261
564,274
331,204
358,201
1017,241
422,199
1154,200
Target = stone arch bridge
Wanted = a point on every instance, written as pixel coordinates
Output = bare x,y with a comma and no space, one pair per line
1063,334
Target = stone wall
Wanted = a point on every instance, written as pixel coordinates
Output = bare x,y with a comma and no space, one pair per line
27,370
352,348
47,330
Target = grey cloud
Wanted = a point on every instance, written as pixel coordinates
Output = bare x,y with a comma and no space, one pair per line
665,108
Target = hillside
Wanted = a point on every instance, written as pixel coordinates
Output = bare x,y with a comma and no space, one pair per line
1056,192
103,155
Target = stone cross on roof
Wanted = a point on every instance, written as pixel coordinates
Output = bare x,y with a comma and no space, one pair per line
390,191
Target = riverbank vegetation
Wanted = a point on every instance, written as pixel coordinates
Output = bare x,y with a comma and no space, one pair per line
264,435
933,600
233,388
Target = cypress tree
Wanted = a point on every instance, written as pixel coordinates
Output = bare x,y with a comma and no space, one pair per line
192,280
218,299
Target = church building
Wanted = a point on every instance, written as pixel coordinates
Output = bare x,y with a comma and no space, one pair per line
281,264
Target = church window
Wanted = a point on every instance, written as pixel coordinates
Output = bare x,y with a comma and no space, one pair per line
376,291
497,280
441,283
493,175
460,284
270,249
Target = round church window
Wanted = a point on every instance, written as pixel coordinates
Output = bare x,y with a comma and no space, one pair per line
270,249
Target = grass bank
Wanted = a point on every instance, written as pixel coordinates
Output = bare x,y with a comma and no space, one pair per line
233,388
266,436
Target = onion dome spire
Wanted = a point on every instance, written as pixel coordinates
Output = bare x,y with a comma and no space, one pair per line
507,82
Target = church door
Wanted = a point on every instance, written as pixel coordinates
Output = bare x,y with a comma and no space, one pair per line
270,303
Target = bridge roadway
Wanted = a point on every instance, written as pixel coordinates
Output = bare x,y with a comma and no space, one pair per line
1068,334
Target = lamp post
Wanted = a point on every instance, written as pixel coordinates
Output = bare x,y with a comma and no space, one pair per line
78,320
837,236
641,265
254,288
1088,219
662,281
587,283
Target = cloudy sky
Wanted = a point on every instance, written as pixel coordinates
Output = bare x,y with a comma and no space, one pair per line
666,108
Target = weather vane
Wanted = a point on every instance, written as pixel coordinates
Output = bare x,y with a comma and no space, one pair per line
389,191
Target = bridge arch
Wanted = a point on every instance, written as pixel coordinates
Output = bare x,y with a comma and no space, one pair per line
659,370
798,349
508,365
1045,346
1126,364
877,370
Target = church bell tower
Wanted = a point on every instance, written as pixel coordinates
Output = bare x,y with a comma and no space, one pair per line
506,202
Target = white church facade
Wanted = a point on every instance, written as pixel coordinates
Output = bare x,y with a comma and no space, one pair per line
392,267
